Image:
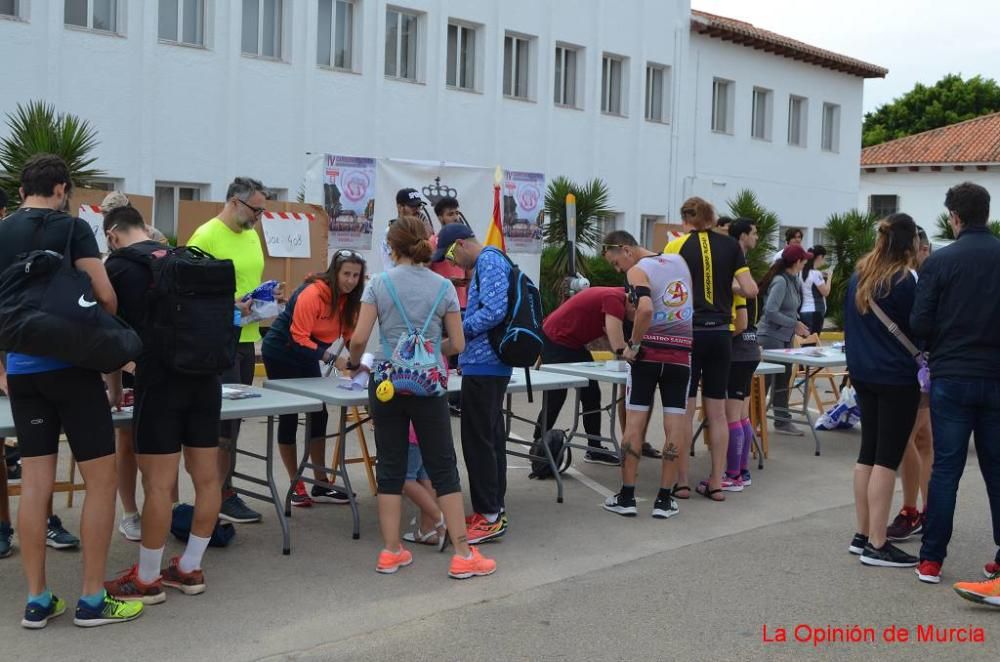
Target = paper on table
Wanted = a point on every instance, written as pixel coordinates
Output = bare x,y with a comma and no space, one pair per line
360,380
237,392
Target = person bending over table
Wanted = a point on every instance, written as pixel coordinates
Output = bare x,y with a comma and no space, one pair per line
322,310
594,313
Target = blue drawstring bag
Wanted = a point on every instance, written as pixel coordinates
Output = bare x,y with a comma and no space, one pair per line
180,526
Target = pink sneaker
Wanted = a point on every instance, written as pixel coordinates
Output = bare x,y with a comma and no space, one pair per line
732,484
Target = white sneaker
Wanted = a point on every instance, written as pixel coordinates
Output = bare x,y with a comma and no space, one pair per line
131,527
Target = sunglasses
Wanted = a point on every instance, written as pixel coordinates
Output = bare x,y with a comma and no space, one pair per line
607,247
257,211
347,254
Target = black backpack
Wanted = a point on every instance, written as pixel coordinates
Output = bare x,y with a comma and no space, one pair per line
563,455
47,308
190,308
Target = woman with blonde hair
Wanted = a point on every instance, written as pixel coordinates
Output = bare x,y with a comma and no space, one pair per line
883,371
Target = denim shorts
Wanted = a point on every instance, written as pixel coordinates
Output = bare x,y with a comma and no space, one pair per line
415,464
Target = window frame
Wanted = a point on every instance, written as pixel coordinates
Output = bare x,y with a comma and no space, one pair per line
202,26
831,110
874,208
729,97
20,11
559,76
200,189
352,35
761,115
803,120
278,32
462,27
515,77
666,81
417,18
608,62
117,12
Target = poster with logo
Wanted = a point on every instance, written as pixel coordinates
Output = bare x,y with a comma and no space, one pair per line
349,201
523,205
95,219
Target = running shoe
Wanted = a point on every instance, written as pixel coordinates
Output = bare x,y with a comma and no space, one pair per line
391,562
300,498
59,538
616,504
990,571
601,457
112,610
481,530
235,510
477,566
858,543
665,508
330,495
887,556
36,616
130,526
906,524
789,428
188,583
984,593
732,484
745,477
929,572
6,538
129,587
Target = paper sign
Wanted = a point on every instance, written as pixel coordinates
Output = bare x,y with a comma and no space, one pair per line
286,234
95,219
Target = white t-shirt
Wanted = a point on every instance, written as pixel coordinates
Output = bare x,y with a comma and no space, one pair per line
815,277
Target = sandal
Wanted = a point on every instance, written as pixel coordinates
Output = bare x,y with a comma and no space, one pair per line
704,490
677,487
433,537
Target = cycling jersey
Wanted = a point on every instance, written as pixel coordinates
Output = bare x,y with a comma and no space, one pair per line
668,339
714,260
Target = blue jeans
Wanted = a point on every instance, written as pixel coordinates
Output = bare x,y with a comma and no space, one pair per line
959,408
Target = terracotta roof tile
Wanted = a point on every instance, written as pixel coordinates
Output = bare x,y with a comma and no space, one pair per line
741,32
972,141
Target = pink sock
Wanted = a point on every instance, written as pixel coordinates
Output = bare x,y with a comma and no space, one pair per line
735,449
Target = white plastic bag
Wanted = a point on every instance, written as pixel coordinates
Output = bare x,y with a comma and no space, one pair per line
842,416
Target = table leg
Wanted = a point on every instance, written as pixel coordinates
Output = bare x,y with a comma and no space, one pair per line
805,405
613,433
299,473
341,468
548,451
282,516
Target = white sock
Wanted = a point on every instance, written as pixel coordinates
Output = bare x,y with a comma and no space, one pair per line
128,515
492,517
149,564
193,553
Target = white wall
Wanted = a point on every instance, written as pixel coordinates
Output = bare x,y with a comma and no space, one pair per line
921,194
803,185
203,115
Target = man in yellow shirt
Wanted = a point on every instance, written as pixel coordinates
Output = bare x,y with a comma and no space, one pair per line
231,236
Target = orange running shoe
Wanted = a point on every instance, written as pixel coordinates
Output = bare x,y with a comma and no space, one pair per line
188,583
477,566
985,593
129,587
390,562
481,530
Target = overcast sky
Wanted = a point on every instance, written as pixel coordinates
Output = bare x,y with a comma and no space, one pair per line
918,41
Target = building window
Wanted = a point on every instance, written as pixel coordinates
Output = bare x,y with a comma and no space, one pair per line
335,34
262,27
760,117
401,44
612,85
516,66
611,222
831,127
106,184
883,205
461,65
722,106
182,21
657,93
10,8
92,14
797,121
166,204
566,76
649,222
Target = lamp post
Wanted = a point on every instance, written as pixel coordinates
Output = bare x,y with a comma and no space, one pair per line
571,233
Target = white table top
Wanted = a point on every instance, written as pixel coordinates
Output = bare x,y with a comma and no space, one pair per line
598,371
327,388
269,403
827,357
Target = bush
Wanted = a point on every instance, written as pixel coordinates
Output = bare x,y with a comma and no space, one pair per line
849,236
601,274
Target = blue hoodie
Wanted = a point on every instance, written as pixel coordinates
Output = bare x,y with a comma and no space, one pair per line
486,308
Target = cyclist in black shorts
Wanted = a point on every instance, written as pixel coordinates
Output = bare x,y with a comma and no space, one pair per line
715,260
171,411
658,353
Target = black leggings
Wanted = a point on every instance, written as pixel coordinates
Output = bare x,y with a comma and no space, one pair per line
888,412
432,423
289,423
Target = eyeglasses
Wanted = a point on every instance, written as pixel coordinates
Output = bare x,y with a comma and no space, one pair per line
257,211
450,253
347,254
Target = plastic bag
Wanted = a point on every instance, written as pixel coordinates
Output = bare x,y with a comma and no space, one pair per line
263,304
842,416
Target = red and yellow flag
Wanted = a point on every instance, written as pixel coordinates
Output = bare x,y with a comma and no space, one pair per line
494,234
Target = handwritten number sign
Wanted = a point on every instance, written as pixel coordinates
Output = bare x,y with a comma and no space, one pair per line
286,234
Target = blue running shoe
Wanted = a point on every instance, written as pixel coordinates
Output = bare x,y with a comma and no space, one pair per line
36,616
112,610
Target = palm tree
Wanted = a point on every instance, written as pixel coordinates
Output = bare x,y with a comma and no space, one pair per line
850,235
746,205
944,230
36,128
592,209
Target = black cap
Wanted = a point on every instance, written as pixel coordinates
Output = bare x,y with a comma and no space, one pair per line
409,197
448,235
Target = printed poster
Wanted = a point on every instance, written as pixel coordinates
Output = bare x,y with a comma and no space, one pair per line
286,234
95,219
523,205
349,201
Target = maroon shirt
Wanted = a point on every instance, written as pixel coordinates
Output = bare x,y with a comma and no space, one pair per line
580,321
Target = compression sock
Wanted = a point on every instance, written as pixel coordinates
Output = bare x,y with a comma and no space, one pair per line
747,444
735,453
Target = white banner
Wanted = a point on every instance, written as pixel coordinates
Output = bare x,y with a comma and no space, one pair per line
95,219
286,234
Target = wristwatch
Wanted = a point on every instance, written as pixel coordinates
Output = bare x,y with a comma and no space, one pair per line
635,347
619,352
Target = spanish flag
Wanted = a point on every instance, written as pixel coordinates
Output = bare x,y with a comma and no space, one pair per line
494,234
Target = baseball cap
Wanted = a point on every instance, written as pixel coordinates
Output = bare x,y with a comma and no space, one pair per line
793,253
409,197
448,235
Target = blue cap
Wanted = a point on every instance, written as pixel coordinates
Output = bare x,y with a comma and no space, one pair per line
448,235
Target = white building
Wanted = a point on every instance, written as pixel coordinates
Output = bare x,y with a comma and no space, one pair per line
912,174
776,116
185,94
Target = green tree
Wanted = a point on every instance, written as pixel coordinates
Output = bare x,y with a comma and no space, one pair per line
944,228
36,128
746,205
849,236
923,108
592,209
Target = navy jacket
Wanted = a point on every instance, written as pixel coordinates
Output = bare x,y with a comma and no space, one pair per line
873,354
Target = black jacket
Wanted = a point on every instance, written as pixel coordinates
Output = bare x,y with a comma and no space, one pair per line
957,307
